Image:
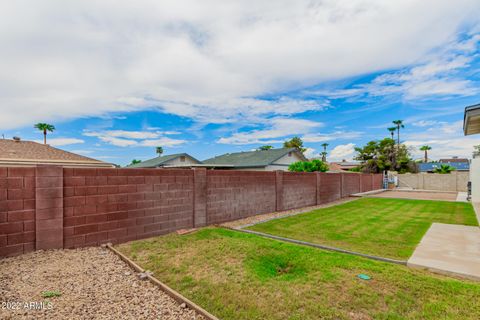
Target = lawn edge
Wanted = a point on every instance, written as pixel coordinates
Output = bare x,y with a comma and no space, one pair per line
169,291
319,246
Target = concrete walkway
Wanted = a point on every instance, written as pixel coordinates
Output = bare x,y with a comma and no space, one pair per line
449,249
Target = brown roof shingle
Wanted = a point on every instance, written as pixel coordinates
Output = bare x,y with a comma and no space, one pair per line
28,152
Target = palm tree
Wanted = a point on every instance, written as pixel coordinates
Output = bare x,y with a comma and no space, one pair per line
399,124
324,156
392,131
159,151
444,169
426,148
324,153
44,127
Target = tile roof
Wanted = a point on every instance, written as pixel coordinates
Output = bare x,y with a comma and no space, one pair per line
28,152
158,161
453,160
257,158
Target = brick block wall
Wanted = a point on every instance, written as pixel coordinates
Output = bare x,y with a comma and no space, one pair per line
237,194
119,205
377,182
330,187
49,207
17,211
299,190
366,182
351,183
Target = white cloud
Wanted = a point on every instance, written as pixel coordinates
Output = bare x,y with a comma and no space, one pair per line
342,151
208,60
435,76
122,138
310,153
337,135
446,140
424,123
277,130
57,142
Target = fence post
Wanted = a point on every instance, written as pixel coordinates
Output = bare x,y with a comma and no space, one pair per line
372,177
319,185
199,197
342,184
48,207
279,190
360,182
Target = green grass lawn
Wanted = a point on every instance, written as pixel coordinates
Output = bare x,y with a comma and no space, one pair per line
242,276
384,227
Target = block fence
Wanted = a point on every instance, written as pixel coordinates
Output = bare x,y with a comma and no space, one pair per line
50,207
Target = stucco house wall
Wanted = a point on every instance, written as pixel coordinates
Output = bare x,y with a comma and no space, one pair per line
281,164
178,161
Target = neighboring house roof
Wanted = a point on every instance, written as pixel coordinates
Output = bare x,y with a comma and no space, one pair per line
430,166
251,159
453,160
342,165
160,161
471,120
17,152
347,163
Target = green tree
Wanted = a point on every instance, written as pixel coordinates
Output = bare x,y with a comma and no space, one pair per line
444,169
135,161
44,127
295,142
425,149
324,153
159,151
392,131
308,166
377,156
398,124
264,148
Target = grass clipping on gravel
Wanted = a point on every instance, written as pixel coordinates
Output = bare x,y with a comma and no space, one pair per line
241,276
390,228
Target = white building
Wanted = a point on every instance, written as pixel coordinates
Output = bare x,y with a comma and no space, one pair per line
471,125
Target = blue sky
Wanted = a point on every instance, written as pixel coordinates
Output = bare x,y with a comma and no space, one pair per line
119,78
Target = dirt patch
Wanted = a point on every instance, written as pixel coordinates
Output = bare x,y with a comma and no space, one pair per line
89,283
418,195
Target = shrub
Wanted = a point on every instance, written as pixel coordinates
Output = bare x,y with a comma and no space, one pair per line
308,166
444,169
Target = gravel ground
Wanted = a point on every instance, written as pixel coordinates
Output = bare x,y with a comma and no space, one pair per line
243,223
94,284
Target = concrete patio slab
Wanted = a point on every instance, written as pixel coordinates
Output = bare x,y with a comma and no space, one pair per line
449,249
476,207
462,197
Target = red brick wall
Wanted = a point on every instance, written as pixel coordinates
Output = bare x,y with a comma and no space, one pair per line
351,183
299,190
118,205
51,207
17,210
377,182
330,187
237,194
367,182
